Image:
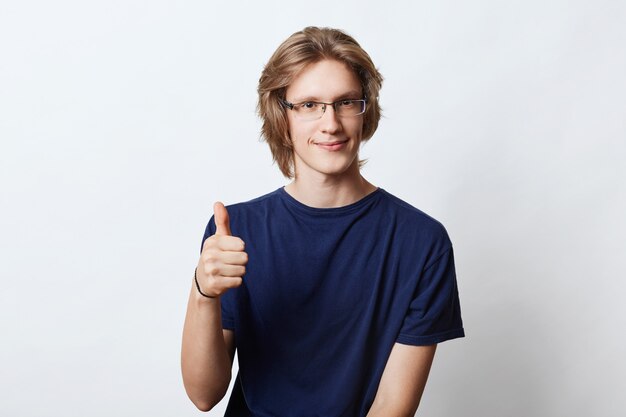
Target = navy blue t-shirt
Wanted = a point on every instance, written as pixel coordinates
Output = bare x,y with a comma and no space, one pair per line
326,294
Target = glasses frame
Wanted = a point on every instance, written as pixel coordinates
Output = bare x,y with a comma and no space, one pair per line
290,106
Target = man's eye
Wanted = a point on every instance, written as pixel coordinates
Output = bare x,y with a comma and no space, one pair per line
346,103
309,105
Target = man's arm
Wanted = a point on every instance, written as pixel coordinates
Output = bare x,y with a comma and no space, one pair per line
208,351
403,381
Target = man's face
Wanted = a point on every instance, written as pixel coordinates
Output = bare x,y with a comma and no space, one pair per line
327,146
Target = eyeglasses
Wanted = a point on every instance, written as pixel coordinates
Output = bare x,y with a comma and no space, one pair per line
312,110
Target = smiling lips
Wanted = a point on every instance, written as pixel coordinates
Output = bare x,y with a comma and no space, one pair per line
332,146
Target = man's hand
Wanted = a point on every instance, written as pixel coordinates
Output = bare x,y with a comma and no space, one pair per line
223,259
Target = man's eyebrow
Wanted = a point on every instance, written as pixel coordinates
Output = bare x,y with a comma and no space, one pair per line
352,94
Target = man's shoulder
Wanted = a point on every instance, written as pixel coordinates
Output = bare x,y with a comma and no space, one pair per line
414,224
253,203
408,212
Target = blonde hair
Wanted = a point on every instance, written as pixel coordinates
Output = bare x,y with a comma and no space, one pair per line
310,45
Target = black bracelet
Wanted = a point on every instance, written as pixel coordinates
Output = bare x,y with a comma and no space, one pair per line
195,278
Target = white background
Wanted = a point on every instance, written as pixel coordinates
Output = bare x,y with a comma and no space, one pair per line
121,122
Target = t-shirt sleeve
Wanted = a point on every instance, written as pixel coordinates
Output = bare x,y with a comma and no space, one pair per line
227,299
434,314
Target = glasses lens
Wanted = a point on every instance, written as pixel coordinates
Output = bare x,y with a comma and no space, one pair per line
309,110
350,107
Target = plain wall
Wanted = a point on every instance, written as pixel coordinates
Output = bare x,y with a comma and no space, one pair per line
121,122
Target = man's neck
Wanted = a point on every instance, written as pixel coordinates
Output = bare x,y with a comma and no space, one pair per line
329,191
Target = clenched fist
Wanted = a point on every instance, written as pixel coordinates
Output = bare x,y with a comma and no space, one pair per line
223,260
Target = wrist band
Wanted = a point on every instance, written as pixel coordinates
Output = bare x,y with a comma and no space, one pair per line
195,278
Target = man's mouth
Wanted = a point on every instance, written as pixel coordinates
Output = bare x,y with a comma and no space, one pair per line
332,145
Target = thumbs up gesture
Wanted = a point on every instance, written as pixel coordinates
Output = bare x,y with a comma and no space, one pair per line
223,259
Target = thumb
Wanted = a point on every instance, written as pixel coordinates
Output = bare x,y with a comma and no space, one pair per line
222,221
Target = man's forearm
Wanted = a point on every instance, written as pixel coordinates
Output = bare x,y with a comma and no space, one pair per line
205,360
390,410
403,381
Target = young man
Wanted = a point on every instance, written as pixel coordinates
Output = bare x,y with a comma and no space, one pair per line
333,292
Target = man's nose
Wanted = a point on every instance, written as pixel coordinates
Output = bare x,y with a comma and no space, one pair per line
330,121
